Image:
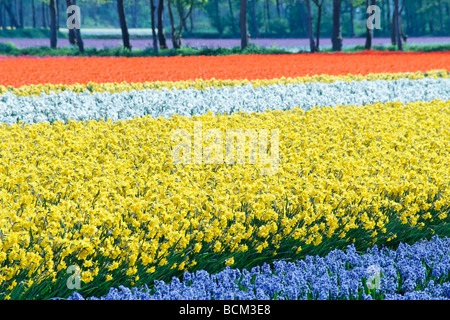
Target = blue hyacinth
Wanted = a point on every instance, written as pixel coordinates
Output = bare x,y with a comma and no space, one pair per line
411,272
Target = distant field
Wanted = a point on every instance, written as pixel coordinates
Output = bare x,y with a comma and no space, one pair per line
110,32
210,43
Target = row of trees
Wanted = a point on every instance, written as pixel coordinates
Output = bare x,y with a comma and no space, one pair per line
397,34
311,18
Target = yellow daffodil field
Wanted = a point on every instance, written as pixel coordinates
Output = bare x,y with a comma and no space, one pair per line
125,183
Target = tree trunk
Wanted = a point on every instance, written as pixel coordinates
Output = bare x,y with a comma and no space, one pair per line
53,21
278,9
319,17
397,27
161,35
76,32
180,9
123,25
232,17
152,18
9,10
369,31
79,40
175,43
176,34
309,27
402,34
71,31
336,38
392,24
33,13
253,17
243,24
191,21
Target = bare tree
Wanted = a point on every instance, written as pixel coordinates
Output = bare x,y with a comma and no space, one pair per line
336,37
172,23
402,34
161,35
75,33
398,38
176,33
71,31
391,22
309,27
319,4
123,25
53,22
369,31
243,24
152,18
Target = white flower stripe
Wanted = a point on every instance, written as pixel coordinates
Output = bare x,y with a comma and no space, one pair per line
188,102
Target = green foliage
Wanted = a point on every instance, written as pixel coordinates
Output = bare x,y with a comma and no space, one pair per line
278,26
419,18
213,262
7,48
411,48
10,49
29,33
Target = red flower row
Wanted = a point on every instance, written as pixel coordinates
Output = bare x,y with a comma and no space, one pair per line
64,70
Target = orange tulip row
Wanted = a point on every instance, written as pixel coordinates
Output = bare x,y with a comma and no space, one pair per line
71,70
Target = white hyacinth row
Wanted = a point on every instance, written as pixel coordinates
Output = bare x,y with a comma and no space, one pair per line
188,102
